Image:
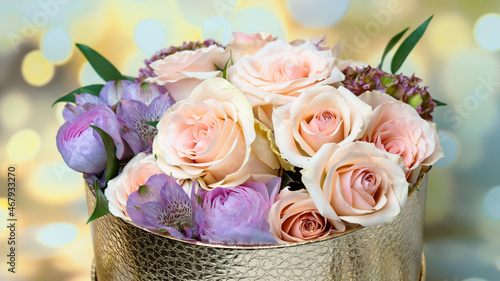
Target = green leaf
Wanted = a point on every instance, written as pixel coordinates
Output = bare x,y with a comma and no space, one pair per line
224,72
408,45
391,44
218,68
101,65
410,188
90,89
112,164
439,103
101,204
152,123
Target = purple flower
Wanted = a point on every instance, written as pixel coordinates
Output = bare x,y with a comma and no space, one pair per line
143,92
238,215
162,205
81,146
112,91
142,102
109,95
403,88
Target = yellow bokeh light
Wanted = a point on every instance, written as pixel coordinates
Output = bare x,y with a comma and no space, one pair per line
14,110
36,69
24,145
55,183
3,215
444,42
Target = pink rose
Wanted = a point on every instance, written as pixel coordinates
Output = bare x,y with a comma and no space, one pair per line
320,115
135,174
294,218
212,136
247,44
357,182
183,71
396,127
279,72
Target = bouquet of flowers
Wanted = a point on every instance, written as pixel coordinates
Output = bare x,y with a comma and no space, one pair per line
257,142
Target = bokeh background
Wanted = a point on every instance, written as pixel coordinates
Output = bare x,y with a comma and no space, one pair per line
458,58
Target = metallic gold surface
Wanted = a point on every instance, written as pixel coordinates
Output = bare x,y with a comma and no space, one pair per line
392,251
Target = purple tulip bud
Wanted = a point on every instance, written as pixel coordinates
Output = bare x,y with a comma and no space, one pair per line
81,146
238,215
162,205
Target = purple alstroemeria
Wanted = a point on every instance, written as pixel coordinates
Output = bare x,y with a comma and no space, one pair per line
239,215
81,146
143,92
112,91
162,205
142,103
109,95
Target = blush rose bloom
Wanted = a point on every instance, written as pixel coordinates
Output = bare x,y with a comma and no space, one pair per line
279,72
247,44
357,183
211,136
183,71
295,218
396,127
320,115
134,174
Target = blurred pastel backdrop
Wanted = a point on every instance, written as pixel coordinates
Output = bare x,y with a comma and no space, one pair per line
458,58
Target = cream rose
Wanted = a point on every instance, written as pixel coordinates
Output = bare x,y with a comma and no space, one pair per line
320,115
183,71
279,72
294,218
212,136
357,182
134,174
396,127
247,44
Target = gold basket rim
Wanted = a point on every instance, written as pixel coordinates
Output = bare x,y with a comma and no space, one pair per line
260,247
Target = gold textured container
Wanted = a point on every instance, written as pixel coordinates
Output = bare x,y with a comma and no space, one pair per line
391,251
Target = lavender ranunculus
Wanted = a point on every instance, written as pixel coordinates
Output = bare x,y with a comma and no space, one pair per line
162,205
239,215
142,102
81,146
